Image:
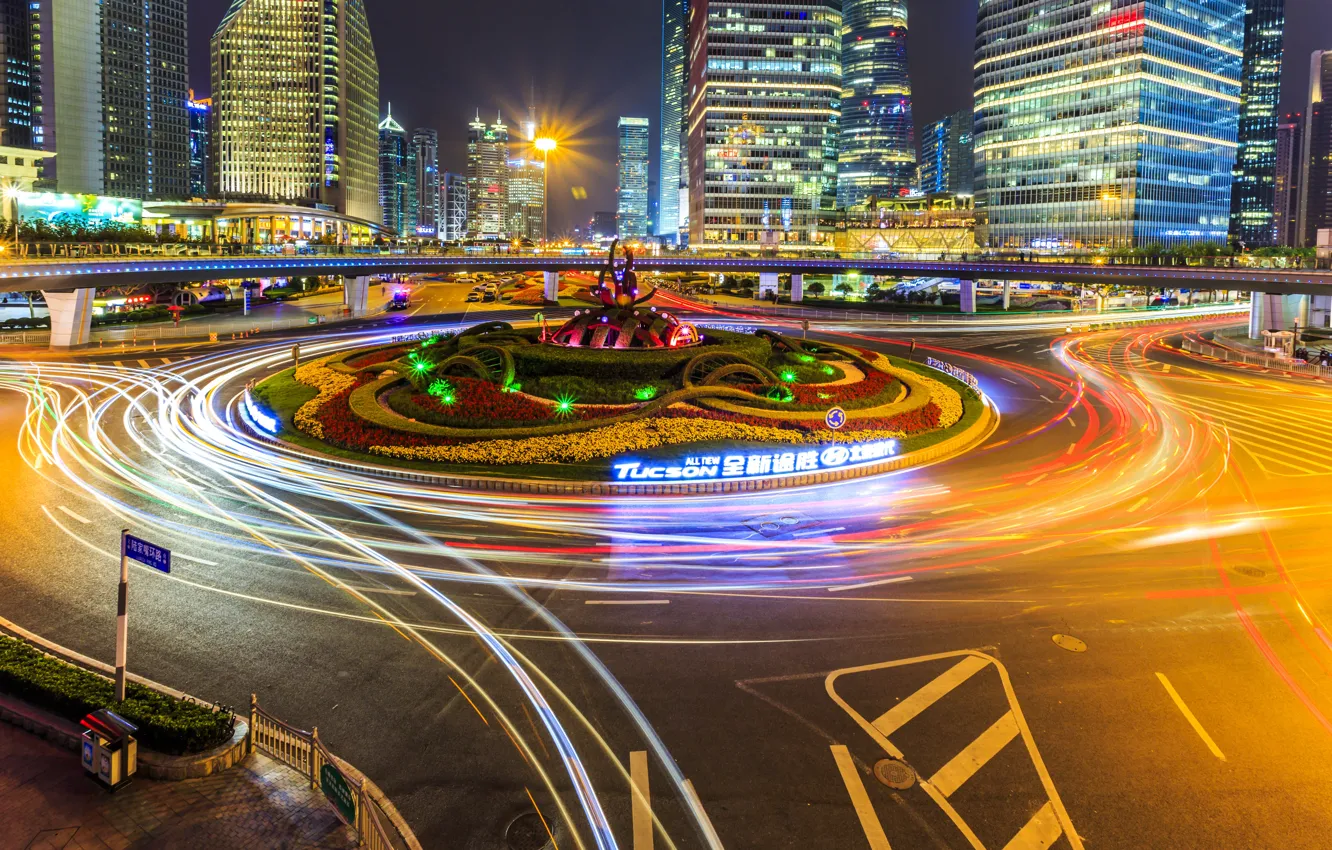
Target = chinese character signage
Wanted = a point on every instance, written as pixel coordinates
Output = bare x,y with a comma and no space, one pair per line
756,464
949,369
145,553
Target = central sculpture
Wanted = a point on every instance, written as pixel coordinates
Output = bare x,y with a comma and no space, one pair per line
622,322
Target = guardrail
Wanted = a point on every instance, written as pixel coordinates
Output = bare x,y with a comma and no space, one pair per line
1074,316
377,823
1232,356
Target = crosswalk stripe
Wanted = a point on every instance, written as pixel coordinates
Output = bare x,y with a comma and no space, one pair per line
143,364
964,765
119,364
1040,832
899,715
860,800
642,809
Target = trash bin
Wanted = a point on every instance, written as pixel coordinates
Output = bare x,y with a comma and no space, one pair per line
110,751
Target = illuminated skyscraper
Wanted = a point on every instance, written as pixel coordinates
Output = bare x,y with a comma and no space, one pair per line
631,191
674,74
1315,204
1108,126
18,73
425,156
1253,198
947,162
201,163
877,157
454,190
397,212
296,100
526,198
487,179
1289,171
765,85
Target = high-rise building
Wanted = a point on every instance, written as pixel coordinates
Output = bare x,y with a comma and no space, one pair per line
631,190
1289,171
312,138
527,198
602,225
425,156
765,87
18,73
397,212
1315,204
674,74
1107,126
877,156
947,159
454,192
1253,197
487,179
201,168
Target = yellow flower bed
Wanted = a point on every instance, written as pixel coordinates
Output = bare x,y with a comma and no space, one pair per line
616,439
317,374
943,396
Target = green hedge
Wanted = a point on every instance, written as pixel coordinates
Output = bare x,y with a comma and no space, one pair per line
166,724
539,361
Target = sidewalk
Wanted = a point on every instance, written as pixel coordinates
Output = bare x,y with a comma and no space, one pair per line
46,803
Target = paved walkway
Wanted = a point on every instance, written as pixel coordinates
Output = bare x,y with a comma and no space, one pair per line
46,803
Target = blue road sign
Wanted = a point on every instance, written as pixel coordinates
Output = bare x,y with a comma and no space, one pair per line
836,418
145,553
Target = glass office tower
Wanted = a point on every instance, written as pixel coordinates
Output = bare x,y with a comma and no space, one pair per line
1105,125
487,179
1315,203
1289,172
527,196
877,157
1253,199
296,105
425,155
765,100
631,191
453,189
395,204
674,71
947,161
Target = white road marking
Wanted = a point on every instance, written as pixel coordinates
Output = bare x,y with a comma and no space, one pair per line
893,580
366,588
899,715
642,800
709,832
1010,345
964,765
1048,400
1011,381
626,602
860,800
67,512
1188,715
1040,832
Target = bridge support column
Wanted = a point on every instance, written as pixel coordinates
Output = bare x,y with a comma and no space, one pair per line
1268,311
356,295
1320,311
797,288
968,289
71,317
767,283
552,282
1008,293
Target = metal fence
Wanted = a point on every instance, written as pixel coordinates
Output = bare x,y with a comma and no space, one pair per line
377,823
1230,355
1130,315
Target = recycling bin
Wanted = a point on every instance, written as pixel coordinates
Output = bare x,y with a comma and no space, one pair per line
110,752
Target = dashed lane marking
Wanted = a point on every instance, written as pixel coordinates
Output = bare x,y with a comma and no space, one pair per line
860,800
1188,715
627,602
67,512
1039,833
894,580
642,806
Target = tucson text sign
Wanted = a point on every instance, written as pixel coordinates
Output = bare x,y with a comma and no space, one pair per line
949,369
769,464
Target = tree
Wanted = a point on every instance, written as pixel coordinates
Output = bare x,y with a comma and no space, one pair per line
844,289
815,288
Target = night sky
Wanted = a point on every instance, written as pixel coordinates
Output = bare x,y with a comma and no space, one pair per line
441,61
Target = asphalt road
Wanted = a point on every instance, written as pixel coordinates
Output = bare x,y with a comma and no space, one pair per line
764,652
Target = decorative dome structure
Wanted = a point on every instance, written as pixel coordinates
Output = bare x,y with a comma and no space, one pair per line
622,322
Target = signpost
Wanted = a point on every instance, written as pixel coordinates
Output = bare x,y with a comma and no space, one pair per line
835,418
339,793
132,548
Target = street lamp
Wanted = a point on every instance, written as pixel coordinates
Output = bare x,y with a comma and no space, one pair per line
545,144
12,191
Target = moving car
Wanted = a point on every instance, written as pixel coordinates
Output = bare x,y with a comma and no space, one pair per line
401,300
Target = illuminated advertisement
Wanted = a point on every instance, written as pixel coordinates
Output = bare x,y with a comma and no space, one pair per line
90,210
949,369
769,464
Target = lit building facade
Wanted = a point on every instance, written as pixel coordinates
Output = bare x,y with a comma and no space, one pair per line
425,156
631,189
311,139
947,156
396,173
67,101
487,179
527,198
18,73
454,191
1253,198
765,87
201,161
674,73
1315,204
602,226
877,157
1108,127
1289,172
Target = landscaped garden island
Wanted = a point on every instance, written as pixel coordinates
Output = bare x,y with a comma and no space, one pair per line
625,394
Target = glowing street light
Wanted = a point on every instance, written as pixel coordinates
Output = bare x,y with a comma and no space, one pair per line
545,144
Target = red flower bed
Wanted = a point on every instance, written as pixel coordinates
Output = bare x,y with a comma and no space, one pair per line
874,383
374,358
478,402
347,430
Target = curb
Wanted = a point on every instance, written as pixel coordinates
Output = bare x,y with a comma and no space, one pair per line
68,734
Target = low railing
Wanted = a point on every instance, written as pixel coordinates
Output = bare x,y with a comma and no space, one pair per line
377,823
1230,355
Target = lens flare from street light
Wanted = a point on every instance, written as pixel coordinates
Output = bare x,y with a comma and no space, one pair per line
545,144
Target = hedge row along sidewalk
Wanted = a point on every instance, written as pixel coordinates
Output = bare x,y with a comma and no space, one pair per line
166,724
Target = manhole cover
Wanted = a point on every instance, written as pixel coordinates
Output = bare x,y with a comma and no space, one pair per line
1251,572
527,832
1070,643
894,773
